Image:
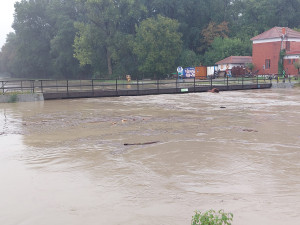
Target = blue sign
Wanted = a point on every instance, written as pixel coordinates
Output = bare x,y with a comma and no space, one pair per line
189,72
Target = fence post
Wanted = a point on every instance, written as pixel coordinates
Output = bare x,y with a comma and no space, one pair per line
257,81
68,87
194,84
227,83
157,85
242,81
93,86
116,86
33,86
137,83
42,86
2,87
211,86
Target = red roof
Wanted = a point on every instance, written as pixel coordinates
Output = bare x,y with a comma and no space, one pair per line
236,60
277,32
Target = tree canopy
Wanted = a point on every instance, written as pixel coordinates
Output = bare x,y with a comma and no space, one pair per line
157,45
71,39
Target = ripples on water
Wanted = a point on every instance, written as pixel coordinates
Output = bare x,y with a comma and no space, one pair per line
65,162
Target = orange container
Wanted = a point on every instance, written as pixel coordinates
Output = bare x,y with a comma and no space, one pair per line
201,72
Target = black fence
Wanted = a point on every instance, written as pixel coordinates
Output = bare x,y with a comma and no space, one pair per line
53,89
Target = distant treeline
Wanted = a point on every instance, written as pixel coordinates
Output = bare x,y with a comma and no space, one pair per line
72,39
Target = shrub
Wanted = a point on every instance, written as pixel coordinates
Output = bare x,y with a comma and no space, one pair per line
212,217
13,98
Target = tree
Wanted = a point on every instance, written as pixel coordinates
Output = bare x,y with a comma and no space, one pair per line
188,58
212,31
157,45
8,59
62,15
33,34
103,34
224,47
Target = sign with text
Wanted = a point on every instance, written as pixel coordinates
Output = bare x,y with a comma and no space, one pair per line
189,72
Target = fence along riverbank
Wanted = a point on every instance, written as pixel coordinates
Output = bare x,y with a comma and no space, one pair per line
61,89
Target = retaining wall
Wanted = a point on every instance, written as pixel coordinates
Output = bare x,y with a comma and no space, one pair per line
21,98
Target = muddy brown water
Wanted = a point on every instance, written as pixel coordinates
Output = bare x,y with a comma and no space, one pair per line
64,162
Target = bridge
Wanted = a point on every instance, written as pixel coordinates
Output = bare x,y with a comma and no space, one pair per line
64,89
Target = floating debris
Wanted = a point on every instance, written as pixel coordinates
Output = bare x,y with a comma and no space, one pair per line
250,130
214,90
144,143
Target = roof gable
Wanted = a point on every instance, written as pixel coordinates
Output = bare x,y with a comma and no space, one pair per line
236,60
277,32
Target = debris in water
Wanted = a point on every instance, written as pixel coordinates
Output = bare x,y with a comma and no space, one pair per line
144,143
223,107
214,90
250,130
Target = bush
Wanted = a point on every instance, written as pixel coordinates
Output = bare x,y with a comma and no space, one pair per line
13,98
212,217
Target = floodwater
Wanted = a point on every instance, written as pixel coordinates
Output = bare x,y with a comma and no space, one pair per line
64,162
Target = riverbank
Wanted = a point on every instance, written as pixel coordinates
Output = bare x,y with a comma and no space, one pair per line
15,97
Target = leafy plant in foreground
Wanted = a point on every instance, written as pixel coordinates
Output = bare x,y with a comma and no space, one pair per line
212,217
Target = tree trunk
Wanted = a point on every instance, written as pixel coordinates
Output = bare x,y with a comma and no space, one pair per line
109,65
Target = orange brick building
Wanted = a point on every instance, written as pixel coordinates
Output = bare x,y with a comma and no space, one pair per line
267,47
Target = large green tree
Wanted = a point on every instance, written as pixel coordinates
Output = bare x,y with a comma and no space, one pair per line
33,33
62,15
105,34
157,45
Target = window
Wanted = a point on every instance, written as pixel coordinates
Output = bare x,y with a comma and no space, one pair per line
288,46
290,61
267,63
294,60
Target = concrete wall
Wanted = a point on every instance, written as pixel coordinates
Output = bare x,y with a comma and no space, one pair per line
21,98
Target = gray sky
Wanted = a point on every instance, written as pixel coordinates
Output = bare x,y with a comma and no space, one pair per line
6,19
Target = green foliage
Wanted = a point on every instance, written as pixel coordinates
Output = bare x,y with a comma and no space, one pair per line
222,48
77,38
13,98
188,58
280,62
157,45
212,217
250,66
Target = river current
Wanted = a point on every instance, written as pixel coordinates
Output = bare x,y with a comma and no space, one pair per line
152,160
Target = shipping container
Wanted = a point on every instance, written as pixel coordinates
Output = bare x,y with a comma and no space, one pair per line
201,72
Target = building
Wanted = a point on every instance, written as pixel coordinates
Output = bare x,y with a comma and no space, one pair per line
268,46
232,61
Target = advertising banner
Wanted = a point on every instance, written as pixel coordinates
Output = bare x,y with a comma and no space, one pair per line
189,72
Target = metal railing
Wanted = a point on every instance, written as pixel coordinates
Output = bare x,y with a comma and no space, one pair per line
69,86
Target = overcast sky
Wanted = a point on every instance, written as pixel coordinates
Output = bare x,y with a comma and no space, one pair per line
6,19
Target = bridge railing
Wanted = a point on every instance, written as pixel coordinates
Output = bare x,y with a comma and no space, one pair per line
67,86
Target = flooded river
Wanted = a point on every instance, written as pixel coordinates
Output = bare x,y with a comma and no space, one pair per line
151,160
